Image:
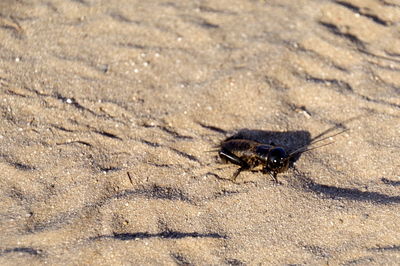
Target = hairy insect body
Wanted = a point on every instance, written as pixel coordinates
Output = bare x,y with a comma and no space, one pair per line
241,152
252,155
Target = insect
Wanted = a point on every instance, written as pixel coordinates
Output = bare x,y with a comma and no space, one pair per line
253,155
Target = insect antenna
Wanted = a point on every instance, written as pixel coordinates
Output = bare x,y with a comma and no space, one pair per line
327,131
305,148
315,141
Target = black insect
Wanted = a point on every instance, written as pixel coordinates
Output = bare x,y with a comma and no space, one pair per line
253,155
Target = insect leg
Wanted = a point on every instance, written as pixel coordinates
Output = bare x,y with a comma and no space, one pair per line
238,171
274,175
232,158
235,160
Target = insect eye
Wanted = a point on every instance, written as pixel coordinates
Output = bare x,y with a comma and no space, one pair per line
276,157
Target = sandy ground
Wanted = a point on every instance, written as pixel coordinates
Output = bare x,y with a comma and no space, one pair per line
109,110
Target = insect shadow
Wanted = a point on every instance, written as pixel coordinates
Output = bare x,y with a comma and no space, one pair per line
268,151
340,193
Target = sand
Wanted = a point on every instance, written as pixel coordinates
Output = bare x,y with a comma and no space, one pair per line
109,110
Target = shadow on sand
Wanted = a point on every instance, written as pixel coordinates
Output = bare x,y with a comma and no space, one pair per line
164,234
339,193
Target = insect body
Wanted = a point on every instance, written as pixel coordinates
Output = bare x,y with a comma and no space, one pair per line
250,155
253,155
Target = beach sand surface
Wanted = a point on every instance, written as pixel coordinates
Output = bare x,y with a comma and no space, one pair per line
111,112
